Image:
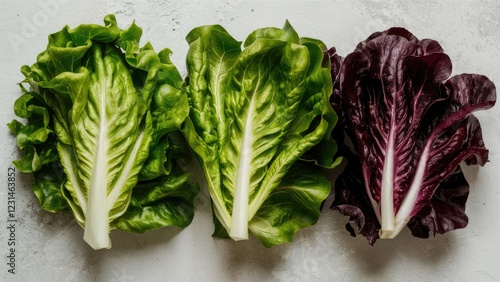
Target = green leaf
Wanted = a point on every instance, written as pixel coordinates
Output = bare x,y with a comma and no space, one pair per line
286,34
211,54
160,214
104,111
166,201
38,129
254,112
47,187
35,157
293,205
111,143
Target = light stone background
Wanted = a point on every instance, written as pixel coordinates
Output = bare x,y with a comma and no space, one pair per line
50,246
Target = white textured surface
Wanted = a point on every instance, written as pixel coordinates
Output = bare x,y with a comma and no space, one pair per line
50,246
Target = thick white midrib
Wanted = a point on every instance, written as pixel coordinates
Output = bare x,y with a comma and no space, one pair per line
239,219
404,211
402,217
117,189
73,178
96,223
387,189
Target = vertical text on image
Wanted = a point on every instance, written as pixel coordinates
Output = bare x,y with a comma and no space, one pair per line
11,220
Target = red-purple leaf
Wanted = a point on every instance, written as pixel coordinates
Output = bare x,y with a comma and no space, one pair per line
445,211
411,126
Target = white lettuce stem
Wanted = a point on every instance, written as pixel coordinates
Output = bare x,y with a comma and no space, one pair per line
393,222
387,189
96,232
403,215
96,224
239,219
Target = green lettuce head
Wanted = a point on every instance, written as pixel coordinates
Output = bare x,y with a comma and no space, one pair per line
259,116
102,134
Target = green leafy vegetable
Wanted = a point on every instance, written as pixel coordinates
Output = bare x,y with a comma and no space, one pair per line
102,136
258,119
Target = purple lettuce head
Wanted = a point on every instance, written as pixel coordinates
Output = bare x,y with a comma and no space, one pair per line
411,125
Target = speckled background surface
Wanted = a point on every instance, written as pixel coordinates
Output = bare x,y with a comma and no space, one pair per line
49,247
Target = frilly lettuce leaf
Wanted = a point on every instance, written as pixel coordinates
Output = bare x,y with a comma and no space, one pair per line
411,125
103,117
256,114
